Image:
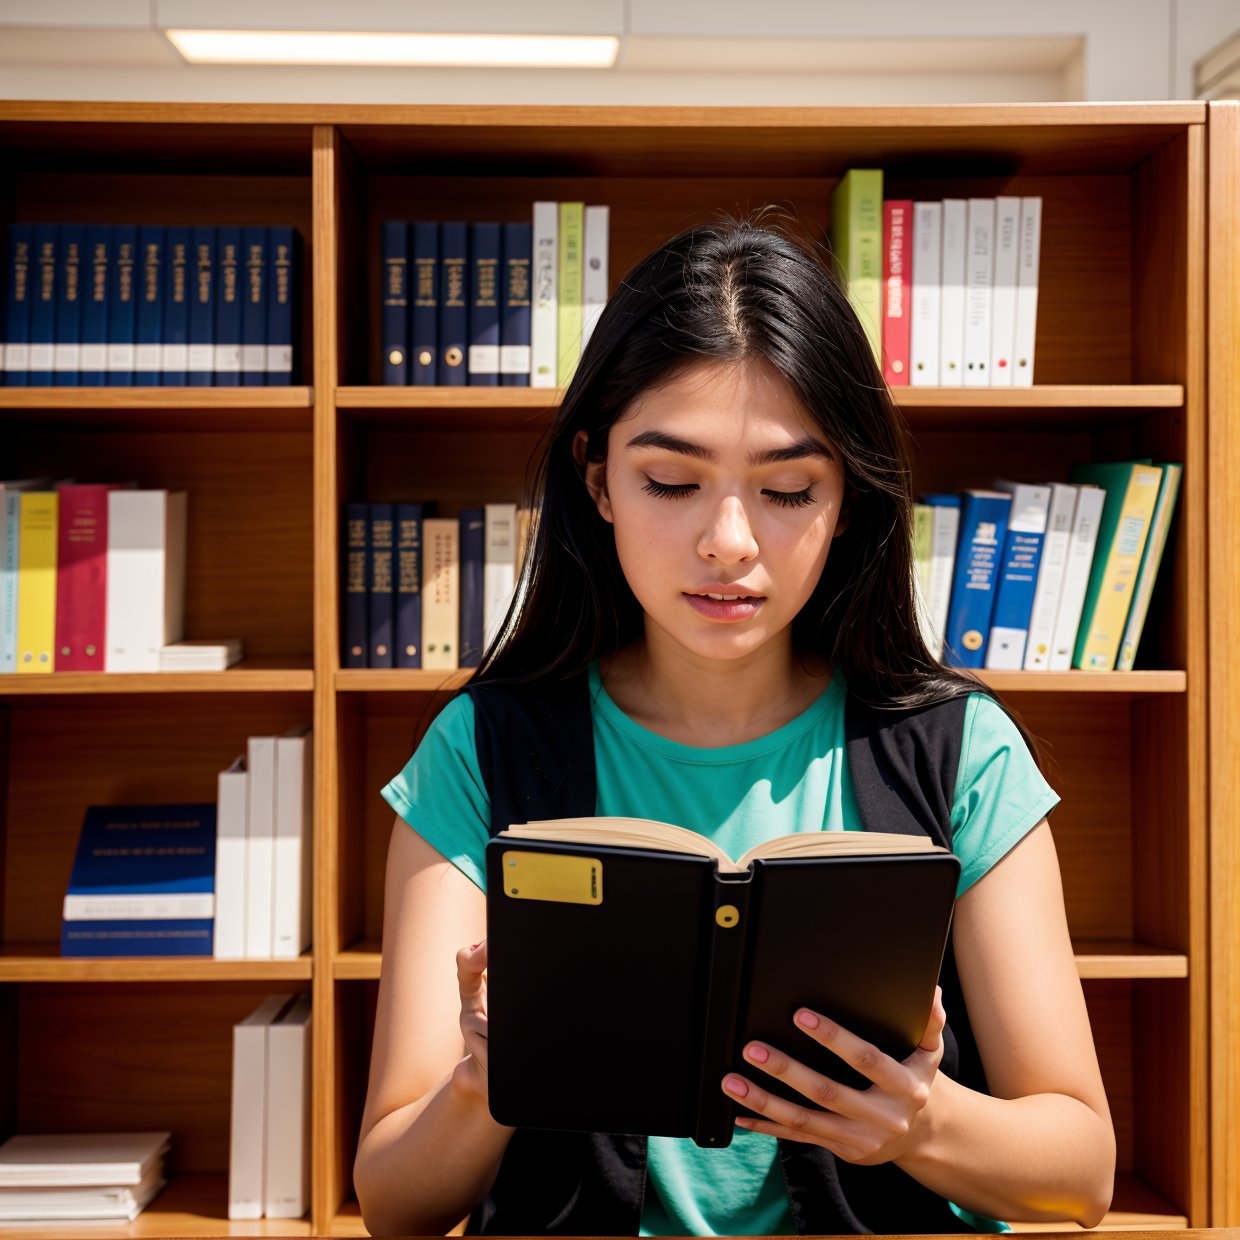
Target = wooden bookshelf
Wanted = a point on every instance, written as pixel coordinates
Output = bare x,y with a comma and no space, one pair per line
1121,364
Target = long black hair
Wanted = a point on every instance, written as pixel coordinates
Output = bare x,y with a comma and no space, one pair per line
731,290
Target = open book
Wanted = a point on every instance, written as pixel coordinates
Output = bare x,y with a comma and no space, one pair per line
630,961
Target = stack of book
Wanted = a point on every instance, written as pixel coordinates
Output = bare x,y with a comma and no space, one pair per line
113,305
142,883
264,849
492,305
947,291
66,1177
1044,577
92,576
201,655
269,1147
428,591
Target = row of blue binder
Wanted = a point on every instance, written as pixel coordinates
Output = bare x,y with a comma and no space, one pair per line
114,305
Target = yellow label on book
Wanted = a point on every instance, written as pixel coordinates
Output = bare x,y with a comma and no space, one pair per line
554,877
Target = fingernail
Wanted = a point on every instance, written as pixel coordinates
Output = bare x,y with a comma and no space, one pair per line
477,945
734,1085
807,1020
758,1054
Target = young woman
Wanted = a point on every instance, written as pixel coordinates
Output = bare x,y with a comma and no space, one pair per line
719,598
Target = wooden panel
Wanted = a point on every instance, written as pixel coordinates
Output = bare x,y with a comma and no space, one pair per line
75,752
251,675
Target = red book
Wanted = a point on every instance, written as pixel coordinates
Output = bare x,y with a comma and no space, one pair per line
81,575
897,288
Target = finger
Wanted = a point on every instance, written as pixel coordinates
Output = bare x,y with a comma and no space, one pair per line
934,1029
817,1089
864,1056
471,964
775,1113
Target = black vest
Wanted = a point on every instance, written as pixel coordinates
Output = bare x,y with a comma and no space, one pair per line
536,756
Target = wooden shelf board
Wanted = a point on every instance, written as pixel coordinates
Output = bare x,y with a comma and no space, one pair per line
1134,1207
396,680
157,398
348,1221
259,675
42,962
359,962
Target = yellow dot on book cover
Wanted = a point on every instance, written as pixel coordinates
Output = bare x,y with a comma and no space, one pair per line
454,357
972,640
425,357
396,357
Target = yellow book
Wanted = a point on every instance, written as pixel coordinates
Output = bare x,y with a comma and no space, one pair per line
571,283
36,582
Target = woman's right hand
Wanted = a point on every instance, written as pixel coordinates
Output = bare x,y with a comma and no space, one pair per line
471,976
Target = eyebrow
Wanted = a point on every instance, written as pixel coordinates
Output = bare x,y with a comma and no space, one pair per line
807,446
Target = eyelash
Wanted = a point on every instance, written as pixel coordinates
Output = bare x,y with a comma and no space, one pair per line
785,499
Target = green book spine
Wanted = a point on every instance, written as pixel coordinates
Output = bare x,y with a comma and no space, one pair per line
571,279
1155,545
857,238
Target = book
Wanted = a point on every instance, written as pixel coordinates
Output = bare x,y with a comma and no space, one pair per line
260,766
38,524
42,350
255,297
122,305
424,319
201,654
58,1205
1003,316
408,639
692,955
441,593
287,1157
983,528
1151,558
232,819
356,611
293,842
594,269
514,328
200,349
927,250
472,552
979,290
1132,491
857,240
282,251
80,1159
96,265
380,599
1029,254
228,307
1051,571
1081,546
66,356
1018,575
174,338
10,544
17,304
485,265
394,303
453,327
544,316
570,276
148,327
896,291
499,567
944,530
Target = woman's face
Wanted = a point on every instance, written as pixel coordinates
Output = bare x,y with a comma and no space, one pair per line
719,483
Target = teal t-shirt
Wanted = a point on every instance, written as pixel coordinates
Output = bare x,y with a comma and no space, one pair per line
793,779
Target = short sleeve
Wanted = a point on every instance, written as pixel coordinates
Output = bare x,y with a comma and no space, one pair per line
440,792
1000,793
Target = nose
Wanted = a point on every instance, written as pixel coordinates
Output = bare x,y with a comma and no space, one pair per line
728,538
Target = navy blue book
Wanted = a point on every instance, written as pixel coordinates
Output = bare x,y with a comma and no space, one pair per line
979,545
484,298
394,315
96,270
424,320
281,301
122,305
43,307
381,602
453,303
200,356
17,305
175,338
71,244
356,613
514,328
228,307
254,308
473,550
148,361
128,858
408,585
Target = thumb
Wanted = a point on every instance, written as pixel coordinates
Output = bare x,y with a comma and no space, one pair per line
934,1029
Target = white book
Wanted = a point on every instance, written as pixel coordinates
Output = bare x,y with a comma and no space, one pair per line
1050,577
294,842
231,820
50,1205
594,256
1005,646
247,1140
1089,502
544,308
201,655
80,1159
1003,309
979,291
945,524
260,845
286,1194
1028,257
499,567
924,326
951,310
141,906
441,593
144,605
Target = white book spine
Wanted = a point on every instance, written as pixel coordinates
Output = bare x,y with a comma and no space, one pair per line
951,310
42,355
120,356
498,567
441,593
544,311
286,1193
228,359
1028,257
294,752
253,358
260,845
67,357
1050,577
94,356
17,357
1084,539
979,291
925,326
1005,646
594,255
148,358
175,356
943,532
232,816
247,1145
143,906
145,586
200,358
9,542
1003,313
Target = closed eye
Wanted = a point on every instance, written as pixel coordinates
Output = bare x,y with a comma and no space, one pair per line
682,490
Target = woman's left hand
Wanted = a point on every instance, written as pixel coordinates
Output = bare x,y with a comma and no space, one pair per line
865,1127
